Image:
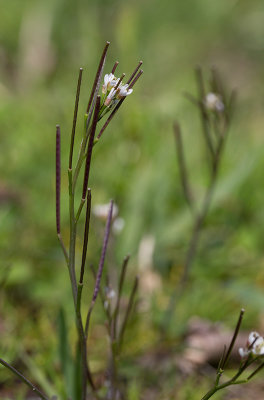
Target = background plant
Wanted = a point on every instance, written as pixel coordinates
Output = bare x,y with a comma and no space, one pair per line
216,108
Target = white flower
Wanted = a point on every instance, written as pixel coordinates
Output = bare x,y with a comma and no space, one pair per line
110,294
123,91
214,102
253,338
255,345
111,96
243,352
109,82
117,94
258,346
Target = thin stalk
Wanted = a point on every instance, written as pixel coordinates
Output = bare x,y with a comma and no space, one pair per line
103,300
58,177
217,84
110,118
135,79
75,116
72,239
135,71
23,379
101,266
81,156
182,167
79,210
65,253
86,374
203,113
115,66
97,77
119,81
255,372
220,367
90,148
86,234
238,325
128,312
58,189
119,294
103,254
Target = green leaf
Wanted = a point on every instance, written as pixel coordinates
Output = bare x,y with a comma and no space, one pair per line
66,361
78,374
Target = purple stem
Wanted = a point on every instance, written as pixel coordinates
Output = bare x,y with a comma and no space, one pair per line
134,73
135,79
115,66
75,116
102,259
97,76
119,81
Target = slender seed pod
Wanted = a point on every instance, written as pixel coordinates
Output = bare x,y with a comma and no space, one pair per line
75,116
90,148
97,76
135,71
115,66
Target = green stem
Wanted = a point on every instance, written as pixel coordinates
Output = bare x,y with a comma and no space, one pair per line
86,374
72,239
210,393
77,290
66,256
232,381
80,161
79,210
81,156
25,380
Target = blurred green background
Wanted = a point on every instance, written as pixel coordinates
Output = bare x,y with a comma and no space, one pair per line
42,46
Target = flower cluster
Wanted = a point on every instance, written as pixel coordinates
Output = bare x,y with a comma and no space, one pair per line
214,102
114,90
109,82
254,346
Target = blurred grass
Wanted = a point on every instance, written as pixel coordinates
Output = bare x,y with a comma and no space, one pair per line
42,46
